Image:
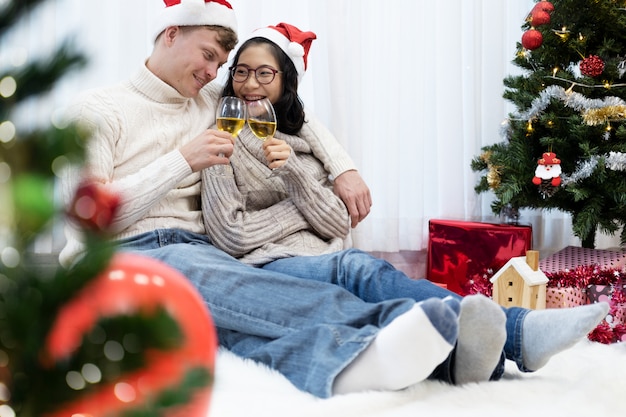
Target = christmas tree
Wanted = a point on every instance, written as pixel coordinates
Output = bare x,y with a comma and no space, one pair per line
564,148
32,381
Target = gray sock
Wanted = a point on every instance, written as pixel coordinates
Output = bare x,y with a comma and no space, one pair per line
548,332
482,334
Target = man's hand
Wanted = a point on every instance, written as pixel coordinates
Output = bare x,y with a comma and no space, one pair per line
355,194
210,148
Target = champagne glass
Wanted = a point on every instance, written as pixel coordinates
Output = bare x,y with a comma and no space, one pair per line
262,118
230,117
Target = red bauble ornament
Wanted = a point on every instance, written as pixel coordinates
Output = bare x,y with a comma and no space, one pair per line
539,17
94,206
545,6
592,66
134,283
532,39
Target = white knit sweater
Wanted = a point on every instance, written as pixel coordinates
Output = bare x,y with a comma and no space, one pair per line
260,219
138,127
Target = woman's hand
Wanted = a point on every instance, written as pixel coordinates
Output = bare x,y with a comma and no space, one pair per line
276,152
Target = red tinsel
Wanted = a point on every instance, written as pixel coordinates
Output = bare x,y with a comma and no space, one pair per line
580,277
592,66
619,331
603,333
577,277
480,284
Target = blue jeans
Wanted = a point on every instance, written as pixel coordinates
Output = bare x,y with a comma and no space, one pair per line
375,280
306,329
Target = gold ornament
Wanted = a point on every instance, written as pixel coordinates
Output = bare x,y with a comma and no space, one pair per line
493,171
493,177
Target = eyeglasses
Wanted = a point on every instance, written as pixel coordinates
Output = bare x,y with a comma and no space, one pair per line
263,74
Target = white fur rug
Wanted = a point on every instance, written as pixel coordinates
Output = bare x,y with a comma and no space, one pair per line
588,379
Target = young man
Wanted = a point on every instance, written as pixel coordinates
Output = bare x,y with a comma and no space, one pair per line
151,139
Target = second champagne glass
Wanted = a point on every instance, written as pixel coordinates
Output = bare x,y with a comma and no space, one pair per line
230,117
262,118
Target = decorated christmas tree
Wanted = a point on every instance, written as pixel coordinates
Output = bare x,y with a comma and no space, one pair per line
564,148
115,334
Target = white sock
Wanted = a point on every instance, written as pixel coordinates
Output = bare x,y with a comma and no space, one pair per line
482,334
548,332
404,352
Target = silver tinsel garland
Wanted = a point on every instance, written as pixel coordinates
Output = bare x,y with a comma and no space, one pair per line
576,101
615,161
584,170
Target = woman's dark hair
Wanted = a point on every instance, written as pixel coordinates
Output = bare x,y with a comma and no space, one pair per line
289,108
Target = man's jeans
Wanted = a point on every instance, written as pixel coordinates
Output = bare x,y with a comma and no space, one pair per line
308,329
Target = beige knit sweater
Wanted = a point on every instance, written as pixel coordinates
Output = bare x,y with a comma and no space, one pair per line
260,219
138,127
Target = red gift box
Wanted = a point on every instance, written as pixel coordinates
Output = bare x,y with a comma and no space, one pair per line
460,251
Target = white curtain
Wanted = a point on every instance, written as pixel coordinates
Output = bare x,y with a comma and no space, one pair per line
411,88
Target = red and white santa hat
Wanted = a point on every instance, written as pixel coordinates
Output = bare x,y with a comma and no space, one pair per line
294,42
194,13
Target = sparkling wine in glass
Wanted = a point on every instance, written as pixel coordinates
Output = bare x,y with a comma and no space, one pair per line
230,117
262,118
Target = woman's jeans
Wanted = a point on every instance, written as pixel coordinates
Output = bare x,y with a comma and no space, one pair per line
308,329
373,280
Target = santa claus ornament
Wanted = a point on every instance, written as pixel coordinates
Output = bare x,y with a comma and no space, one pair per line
548,174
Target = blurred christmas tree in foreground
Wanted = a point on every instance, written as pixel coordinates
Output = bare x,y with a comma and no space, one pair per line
33,381
565,146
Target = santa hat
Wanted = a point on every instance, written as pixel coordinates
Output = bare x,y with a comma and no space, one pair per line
294,42
549,158
194,13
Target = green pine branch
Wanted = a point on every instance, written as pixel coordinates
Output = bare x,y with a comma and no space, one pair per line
12,11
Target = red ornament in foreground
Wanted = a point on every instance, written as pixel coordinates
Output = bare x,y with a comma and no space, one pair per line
94,206
134,283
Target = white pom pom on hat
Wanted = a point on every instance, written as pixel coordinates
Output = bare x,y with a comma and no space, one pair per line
194,13
294,42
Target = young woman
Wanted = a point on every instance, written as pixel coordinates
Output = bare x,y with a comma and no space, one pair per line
292,222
